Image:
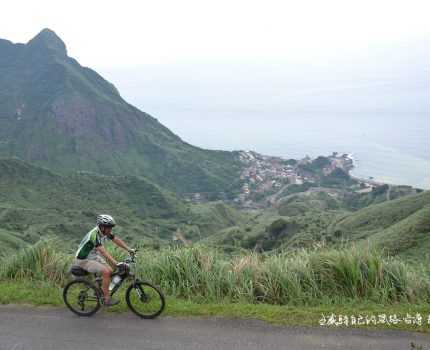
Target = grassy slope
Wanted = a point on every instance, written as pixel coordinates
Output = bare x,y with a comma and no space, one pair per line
36,202
409,237
402,226
385,214
305,219
10,242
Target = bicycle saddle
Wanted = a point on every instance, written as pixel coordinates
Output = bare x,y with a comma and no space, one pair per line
78,271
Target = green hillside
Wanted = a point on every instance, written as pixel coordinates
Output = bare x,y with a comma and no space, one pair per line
58,114
409,237
10,242
400,226
37,202
381,216
316,219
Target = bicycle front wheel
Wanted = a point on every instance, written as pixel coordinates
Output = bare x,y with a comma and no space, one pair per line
145,300
82,297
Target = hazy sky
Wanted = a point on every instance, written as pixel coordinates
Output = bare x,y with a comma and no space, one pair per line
113,34
294,77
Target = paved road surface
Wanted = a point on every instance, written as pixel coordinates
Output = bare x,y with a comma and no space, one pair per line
57,329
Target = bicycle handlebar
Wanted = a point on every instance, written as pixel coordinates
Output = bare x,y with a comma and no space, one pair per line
131,257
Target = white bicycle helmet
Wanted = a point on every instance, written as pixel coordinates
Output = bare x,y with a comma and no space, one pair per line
105,220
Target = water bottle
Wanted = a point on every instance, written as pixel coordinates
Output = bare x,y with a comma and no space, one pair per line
116,280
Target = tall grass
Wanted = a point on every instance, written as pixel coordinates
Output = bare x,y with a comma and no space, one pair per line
303,277
306,277
43,260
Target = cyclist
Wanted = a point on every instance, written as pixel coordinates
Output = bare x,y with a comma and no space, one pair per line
91,254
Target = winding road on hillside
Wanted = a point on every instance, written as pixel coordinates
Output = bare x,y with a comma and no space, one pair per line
23,328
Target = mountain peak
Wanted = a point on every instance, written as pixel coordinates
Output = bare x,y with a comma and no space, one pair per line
47,39
58,114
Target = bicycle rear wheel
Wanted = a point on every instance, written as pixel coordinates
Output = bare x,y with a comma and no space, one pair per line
82,297
145,300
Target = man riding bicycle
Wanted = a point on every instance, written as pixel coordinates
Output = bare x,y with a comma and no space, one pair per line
91,254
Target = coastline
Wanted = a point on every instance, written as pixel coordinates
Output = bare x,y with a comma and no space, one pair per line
384,172
370,180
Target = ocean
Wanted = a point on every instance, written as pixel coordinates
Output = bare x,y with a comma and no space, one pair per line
391,149
376,107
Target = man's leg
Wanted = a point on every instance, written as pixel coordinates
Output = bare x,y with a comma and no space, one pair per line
99,266
106,273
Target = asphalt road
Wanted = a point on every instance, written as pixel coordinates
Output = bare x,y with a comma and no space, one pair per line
46,329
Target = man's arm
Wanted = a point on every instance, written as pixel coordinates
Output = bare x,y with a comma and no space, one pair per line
120,243
105,253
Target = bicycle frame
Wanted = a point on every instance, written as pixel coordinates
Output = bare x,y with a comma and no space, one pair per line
128,274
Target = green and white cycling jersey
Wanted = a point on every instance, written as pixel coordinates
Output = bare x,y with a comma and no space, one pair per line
88,245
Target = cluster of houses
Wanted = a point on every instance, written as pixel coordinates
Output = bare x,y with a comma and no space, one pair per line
264,173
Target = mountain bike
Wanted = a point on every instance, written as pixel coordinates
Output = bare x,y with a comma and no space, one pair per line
85,297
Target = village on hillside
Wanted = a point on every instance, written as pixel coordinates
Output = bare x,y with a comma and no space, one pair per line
266,177
265,174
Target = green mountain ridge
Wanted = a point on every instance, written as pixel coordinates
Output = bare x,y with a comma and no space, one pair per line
58,114
23,184
399,226
36,202
383,215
